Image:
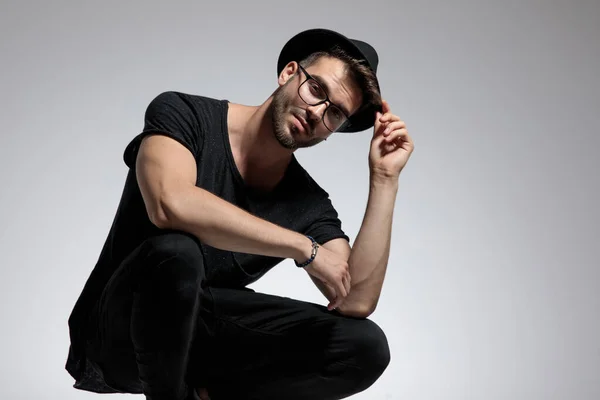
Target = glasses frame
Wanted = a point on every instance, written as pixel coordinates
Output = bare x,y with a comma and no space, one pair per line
326,100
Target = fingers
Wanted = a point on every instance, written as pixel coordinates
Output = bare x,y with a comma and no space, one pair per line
386,122
378,125
394,130
337,302
394,125
386,114
334,273
385,109
347,283
342,290
395,135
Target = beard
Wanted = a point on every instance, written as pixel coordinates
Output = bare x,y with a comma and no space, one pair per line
286,136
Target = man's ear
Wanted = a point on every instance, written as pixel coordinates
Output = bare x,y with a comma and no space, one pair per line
287,72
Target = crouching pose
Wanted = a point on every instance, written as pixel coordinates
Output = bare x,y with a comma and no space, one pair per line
214,199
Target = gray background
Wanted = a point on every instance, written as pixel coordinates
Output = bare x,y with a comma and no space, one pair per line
492,289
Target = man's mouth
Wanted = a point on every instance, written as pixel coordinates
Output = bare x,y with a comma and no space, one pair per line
301,124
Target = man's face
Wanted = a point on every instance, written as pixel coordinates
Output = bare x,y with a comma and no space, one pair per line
297,124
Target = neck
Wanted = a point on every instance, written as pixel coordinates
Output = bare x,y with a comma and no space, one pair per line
252,138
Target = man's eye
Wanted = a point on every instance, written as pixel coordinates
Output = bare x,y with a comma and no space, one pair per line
337,114
315,88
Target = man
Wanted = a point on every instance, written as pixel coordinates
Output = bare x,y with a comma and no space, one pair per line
213,199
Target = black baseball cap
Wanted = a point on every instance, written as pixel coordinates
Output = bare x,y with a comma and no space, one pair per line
314,40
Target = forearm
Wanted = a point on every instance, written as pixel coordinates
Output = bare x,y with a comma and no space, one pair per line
222,225
370,252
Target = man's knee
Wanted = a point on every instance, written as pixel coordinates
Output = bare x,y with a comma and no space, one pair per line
375,348
174,261
174,244
370,349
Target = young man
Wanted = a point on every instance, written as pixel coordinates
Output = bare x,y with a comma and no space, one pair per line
214,199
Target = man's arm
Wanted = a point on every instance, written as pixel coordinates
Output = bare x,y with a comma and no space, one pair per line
166,174
369,255
391,148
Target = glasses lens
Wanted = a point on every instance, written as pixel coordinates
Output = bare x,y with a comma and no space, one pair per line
311,92
334,118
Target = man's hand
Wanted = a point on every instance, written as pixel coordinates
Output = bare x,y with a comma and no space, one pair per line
333,271
391,145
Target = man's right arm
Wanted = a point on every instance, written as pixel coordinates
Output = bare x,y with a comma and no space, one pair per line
166,174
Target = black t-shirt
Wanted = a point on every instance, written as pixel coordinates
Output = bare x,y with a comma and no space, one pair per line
200,124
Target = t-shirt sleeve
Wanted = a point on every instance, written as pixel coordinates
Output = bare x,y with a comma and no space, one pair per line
327,226
170,114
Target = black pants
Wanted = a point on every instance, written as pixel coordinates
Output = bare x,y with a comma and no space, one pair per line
162,330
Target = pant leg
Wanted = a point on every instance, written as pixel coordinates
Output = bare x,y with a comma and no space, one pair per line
149,318
272,347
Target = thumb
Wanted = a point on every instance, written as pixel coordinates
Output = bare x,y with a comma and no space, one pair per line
377,124
385,106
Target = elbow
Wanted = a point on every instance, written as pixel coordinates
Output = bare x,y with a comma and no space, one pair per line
163,214
159,219
361,310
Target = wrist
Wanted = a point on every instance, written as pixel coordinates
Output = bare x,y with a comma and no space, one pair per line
302,248
383,179
313,254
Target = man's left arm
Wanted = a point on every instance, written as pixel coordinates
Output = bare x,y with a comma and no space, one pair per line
391,147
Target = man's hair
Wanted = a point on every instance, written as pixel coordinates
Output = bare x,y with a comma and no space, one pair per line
358,71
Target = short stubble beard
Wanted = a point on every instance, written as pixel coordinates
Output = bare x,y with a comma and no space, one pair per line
278,108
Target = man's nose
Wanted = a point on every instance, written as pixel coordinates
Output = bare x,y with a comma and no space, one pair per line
315,113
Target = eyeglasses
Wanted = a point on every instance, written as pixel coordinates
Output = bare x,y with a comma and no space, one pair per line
313,94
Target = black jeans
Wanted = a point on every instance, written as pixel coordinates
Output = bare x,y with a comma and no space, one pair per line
163,331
